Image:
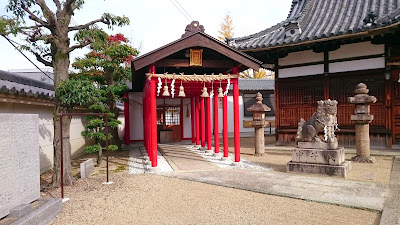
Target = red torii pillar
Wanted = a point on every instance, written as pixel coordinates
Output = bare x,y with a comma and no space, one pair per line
216,127
197,121
202,121
153,118
192,119
208,124
236,122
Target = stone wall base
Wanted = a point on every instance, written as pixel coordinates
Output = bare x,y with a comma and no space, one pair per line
331,170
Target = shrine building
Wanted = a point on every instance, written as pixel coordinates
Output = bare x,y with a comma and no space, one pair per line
322,50
192,75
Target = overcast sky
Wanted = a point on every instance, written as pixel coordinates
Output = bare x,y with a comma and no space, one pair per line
155,23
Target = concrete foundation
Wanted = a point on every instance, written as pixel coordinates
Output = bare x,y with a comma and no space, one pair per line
331,170
47,210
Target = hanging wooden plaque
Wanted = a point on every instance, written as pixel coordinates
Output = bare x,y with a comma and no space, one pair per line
196,58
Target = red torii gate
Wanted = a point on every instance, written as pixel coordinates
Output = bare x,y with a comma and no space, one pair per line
218,58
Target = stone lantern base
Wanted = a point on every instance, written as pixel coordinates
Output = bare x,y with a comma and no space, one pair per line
318,160
363,159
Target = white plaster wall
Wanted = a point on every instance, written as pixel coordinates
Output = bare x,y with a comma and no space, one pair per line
301,57
46,131
187,118
301,71
136,115
357,49
364,64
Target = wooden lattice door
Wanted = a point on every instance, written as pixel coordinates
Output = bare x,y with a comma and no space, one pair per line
396,111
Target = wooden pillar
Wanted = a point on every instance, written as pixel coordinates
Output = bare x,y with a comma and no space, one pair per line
127,133
202,121
225,125
208,100
216,127
153,118
197,120
236,118
192,119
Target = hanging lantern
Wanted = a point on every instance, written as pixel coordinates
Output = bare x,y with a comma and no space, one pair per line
205,93
220,93
166,92
181,91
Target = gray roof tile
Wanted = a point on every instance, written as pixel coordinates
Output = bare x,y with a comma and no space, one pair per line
256,84
320,19
11,83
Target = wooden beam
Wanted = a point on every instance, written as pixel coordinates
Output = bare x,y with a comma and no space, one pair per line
185,63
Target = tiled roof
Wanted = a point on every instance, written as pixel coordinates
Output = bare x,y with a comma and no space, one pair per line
256,84
11,83
319,19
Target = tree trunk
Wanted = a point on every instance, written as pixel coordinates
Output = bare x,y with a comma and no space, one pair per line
113,109
60,58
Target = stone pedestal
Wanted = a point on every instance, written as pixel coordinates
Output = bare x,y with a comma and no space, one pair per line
363,150
259,141
319,161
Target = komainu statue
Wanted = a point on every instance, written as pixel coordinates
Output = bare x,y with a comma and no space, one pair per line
323,120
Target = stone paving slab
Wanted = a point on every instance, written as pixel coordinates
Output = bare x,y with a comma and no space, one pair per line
180,158
348,193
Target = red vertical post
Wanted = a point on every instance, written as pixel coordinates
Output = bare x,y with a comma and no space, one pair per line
192,118
202,125
197,121
225,124
153,118
216,125
236,115
208,123
181,119
144,117
127,134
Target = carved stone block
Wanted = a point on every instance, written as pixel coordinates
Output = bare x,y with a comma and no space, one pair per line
318,156
19,161
331,170
318,145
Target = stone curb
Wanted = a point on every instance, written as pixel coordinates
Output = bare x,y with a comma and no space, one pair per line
43,215
276,193
391,208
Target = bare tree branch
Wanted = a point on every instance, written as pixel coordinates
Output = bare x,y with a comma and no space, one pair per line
47,13
58,4
34,17
70,49
69,7
84,26
42,60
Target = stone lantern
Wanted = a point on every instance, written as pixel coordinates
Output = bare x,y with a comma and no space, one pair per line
362,119
259,123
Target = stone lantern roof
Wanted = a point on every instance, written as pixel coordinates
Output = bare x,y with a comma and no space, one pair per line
259,106
362,96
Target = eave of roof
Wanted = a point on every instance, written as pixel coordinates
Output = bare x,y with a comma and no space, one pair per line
13,84
324,20
196,39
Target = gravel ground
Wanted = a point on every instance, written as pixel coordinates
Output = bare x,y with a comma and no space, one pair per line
154,199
